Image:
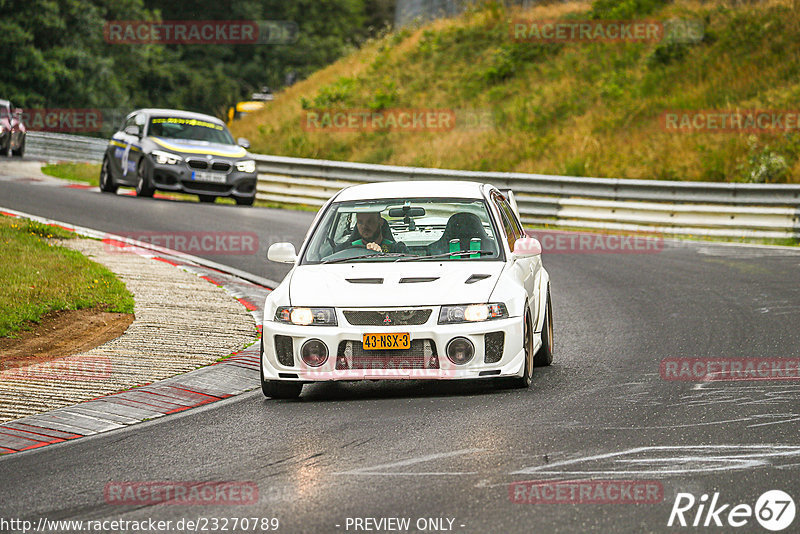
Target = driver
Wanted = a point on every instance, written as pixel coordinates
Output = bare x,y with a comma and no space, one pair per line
370,234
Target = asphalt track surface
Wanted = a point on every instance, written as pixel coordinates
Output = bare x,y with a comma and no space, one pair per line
414,450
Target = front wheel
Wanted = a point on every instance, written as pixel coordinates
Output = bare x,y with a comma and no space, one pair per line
527,339
245,201
143,186
544,356
278,389
21,150
107,184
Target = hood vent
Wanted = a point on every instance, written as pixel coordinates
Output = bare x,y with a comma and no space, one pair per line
477,278
418,279
365,280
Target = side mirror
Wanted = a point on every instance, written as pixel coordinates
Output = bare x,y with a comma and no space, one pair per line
526,247
282,253
244,143
132,130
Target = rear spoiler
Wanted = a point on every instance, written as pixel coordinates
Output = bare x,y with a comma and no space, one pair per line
509,194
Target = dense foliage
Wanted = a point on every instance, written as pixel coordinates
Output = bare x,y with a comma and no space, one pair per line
55,54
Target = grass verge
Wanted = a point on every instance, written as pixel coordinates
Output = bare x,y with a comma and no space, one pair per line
38,277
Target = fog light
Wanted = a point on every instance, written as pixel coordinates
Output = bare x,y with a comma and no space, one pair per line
314,352
460,350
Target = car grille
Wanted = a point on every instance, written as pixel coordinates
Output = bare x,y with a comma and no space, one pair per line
493,344
197,163
221,166
387,318
421,355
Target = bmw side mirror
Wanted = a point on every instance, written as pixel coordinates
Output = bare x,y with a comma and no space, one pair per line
132,130
282,253
526,247
244,143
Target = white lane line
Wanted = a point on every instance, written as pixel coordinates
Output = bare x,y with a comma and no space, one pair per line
372,470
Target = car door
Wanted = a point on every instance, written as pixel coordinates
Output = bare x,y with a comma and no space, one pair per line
523,267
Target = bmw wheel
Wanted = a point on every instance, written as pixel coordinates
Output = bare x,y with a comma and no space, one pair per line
143,186
107,184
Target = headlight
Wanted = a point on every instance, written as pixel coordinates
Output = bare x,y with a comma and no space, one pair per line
306,316
247,165
166,158
471,313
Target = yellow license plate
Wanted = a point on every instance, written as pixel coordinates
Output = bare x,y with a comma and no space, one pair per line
386,341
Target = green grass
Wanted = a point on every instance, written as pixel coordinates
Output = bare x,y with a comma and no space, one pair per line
38,277
79,172
589,109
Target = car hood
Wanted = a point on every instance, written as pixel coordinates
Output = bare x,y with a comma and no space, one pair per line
393,284
193,146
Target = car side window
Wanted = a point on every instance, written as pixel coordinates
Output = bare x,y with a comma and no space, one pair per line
511,232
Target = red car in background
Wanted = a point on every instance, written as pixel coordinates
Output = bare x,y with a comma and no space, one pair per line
12,130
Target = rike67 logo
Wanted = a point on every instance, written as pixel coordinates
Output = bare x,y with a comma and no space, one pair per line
774,510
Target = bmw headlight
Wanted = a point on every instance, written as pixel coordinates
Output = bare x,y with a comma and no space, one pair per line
247,165
472,313
166,158
306,316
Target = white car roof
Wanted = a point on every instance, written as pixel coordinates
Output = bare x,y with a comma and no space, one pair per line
421,188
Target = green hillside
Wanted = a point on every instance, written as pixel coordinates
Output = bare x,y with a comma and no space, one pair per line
577,108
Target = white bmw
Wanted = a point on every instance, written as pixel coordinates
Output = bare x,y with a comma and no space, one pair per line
409,280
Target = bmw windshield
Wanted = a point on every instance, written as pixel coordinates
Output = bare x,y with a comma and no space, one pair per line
188,128
435,229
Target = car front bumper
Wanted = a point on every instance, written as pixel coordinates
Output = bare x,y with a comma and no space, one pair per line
181,178
508,361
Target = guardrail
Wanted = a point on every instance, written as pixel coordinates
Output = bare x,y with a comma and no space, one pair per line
64,147
689,208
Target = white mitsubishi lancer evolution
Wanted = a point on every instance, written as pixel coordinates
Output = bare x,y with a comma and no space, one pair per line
409,280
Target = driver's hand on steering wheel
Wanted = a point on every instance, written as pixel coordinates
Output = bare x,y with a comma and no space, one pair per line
374,246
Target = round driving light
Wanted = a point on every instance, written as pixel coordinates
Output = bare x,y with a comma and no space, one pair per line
314,352
460,350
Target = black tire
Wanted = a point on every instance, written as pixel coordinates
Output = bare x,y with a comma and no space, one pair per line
21,150
107,183
6,150
207,198
527,340
143,186
544,356
278,389
245,201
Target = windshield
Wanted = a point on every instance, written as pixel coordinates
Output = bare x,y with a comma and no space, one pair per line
422,229
187,128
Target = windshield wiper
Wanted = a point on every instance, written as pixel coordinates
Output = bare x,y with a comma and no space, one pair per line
363,256
446,254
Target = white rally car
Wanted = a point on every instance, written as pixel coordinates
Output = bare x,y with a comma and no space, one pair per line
409,280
